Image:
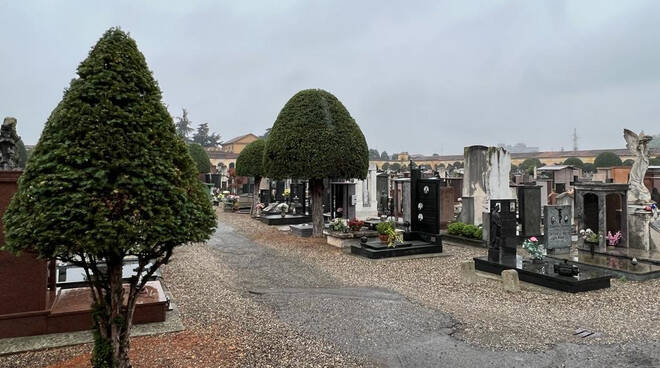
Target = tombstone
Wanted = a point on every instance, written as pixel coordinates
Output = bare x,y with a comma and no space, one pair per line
529,201
502,229
367,195
557,228
593,209
486,177
446,206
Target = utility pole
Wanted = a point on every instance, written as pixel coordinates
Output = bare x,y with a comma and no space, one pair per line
575,139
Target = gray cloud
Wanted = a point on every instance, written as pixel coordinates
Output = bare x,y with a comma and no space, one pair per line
419,76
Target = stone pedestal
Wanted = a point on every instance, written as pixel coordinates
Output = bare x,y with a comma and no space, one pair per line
639,228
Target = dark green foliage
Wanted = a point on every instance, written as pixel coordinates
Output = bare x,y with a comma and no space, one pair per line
469,231
201,158
589,168
530,163
394,156
628,162
395,166
266,133
183,126
314,136
205,139
456,228
384,156
574,161
374,154
109,178
514,168
607,159
385,166
466,230
250,161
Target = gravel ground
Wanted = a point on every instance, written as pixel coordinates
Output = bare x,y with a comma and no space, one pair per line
292,301
531,320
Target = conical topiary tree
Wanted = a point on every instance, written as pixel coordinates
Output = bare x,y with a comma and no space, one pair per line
314,137
250,163
109,178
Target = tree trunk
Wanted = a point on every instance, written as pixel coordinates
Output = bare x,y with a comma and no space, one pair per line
119,338
255,196
316,187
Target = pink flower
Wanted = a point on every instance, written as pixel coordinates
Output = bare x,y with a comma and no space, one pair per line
533,238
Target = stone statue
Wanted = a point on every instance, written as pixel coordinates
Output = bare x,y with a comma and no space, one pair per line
8,139
638,145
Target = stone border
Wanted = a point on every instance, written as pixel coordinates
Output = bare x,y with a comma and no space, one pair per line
21,344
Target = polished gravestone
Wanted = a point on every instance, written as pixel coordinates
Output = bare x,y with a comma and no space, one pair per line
543,273
426,216
302,230
502,256
286,220
557,229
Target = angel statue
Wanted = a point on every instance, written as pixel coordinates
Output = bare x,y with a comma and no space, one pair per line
8,139
638,145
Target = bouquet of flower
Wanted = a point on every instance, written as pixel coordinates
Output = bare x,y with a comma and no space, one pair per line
533,247
283,207
286,193
339,225
355,224
613,240
260,206
589,236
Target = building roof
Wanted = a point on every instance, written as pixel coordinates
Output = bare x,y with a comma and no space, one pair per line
236,139
219,155
539,155
555,167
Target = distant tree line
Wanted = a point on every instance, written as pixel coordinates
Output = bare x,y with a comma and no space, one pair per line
202,136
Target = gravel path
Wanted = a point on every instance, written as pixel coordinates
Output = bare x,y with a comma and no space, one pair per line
256,297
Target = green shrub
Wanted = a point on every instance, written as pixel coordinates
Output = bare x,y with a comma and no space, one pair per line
479,234
456,228
469,230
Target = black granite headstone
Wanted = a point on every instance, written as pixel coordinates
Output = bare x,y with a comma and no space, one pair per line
502,229
529,199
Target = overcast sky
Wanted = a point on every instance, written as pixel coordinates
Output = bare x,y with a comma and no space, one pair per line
424,77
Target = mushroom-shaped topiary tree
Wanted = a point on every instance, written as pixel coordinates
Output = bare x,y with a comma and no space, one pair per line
607,159
314,138
574,161
250,163
110,179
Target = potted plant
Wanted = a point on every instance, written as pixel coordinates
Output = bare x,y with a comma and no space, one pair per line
393,238
535,249
355,224
590,238
383,229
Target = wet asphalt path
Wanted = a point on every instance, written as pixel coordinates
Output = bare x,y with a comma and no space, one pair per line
382,326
